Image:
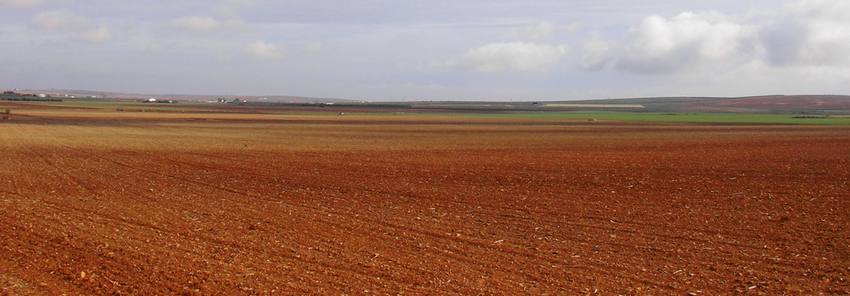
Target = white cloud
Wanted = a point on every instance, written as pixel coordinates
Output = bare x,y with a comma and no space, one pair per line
544,30
197,23
688,40
512,56
313,46
60,20
537,31
70,23
231,8
99,34
264,50
809,33
20,3
595,54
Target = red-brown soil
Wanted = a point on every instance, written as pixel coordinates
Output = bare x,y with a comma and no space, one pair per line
405,208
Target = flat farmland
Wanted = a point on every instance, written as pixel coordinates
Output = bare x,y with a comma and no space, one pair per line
110,203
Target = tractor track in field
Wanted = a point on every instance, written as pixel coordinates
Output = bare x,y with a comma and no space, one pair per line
320,211
433,235
598,268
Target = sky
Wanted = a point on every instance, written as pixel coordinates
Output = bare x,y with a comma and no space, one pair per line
429,50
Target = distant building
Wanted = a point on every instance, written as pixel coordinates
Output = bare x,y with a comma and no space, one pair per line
161,101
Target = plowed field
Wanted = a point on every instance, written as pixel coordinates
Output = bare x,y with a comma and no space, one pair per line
144,206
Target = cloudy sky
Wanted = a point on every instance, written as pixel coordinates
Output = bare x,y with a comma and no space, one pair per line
429,49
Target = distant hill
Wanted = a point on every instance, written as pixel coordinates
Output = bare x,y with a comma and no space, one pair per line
816,104
63,93
821,104
812,103
754,104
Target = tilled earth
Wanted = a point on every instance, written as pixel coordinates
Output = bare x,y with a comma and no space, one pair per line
423,208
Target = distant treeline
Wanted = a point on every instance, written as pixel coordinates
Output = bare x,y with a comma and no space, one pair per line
17,97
